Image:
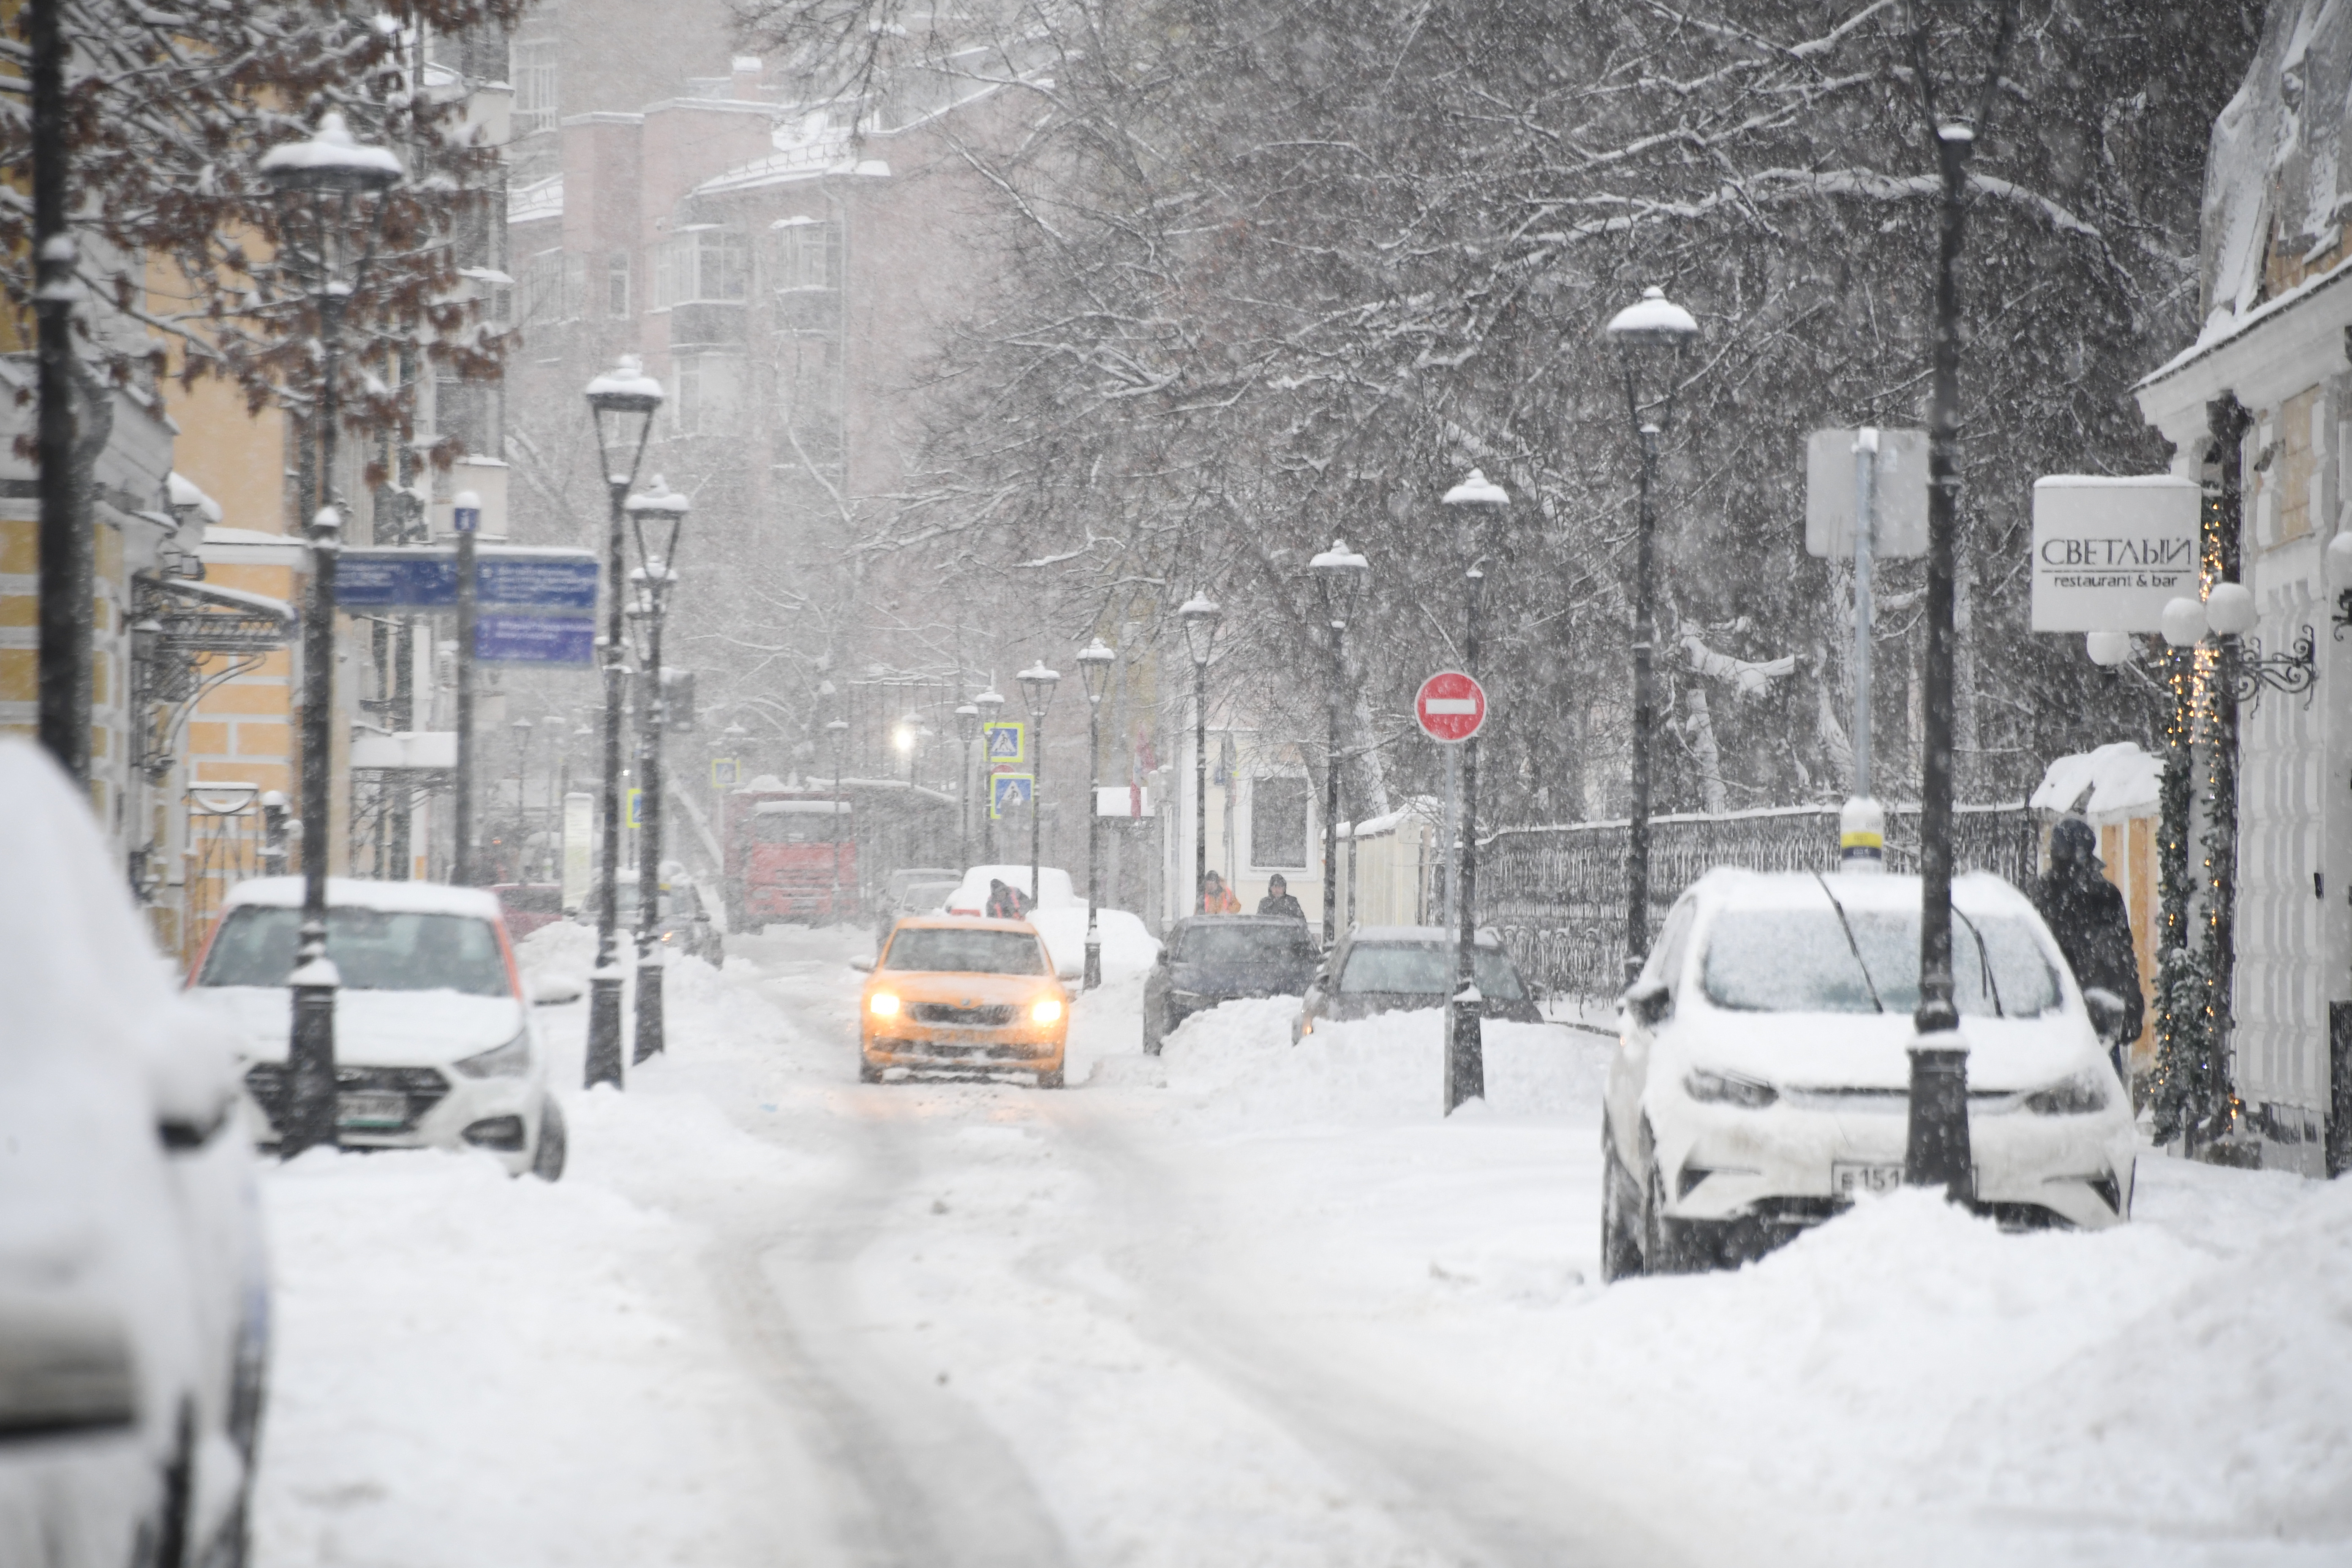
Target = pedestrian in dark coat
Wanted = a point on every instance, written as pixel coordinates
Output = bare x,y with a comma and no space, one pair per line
1004,901
1278,902
2086,913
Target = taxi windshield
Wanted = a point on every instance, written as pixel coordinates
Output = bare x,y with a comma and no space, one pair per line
945,950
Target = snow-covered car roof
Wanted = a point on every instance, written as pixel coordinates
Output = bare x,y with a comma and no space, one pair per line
1730,888
390,897
802,808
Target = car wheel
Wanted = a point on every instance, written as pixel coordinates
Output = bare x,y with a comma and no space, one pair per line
547,1160
1050,1080
1660,1253
867,1072
1154,1033
1620,1242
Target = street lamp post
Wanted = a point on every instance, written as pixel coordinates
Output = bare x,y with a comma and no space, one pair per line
1342,576
1037,684
1479,504
621,404
321,180
967,718
552,844
522,729
1095,661
1650,335
990,704
1200,617
656,580
836,734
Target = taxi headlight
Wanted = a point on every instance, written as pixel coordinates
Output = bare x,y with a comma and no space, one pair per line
1048,1010
883,1004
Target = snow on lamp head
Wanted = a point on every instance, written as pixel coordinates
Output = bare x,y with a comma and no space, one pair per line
2108,650
1094,667
2230,610
2184,622
1342,575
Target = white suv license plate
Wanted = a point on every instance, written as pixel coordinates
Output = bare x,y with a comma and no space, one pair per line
1846,1181
367,1112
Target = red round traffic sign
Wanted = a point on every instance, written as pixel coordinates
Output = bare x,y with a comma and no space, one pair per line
1451,706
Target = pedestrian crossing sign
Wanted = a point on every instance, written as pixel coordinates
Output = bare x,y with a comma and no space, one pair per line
1008,792
725,772
1004,740
635,797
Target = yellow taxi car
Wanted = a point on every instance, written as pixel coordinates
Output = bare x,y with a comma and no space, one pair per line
954,994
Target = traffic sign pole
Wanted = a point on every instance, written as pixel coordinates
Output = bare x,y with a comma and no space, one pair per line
1451,707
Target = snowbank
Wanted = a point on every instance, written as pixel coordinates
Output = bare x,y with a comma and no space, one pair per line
1236,1063
562,947
1127,947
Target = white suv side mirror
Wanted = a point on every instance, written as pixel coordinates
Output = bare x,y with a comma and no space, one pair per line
552,990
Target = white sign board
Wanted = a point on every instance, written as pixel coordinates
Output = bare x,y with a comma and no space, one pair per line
578,834
1898,494
2109,552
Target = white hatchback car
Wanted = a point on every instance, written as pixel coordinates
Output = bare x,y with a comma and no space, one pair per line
434,1041
1762,1078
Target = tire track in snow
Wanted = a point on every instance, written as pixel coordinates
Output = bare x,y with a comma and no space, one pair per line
1449,1486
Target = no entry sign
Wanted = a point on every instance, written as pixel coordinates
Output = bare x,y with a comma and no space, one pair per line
1451,707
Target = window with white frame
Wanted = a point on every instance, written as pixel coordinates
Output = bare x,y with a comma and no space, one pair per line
616,286
530,69
701,264
806,255
704,394
1277,823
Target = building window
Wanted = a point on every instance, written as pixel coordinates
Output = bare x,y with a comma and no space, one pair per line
616,286
469,411
552,283
806,255
531,69
1277,823
703,264
703,393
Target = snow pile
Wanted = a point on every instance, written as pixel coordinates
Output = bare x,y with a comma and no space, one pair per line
1127,947
1238,1062
475,1370
560,947
2115,778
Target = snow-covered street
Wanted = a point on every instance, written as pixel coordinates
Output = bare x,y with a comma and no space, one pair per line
1246,1303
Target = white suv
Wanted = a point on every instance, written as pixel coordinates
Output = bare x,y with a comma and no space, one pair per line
1762,1078
434,1041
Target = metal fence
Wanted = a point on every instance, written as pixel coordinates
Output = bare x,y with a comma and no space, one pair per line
1557,895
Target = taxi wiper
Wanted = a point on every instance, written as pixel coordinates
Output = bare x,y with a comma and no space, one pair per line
1852,946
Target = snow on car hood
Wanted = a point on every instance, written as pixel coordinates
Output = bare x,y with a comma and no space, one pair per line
377,1028
1851,1050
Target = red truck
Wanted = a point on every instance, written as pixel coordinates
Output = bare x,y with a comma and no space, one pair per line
791,855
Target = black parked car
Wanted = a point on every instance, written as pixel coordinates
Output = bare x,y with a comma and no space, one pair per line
1395,968
683,922
1209,959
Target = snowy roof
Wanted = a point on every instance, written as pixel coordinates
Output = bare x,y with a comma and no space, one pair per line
352,893
184,491
2116,778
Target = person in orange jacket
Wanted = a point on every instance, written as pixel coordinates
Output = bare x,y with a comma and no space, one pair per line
1216,898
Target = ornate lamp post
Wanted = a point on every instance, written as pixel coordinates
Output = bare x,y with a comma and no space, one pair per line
522,729
1342,576
551,843
320,186
1200,615
655,581
836,734
1095,661
1037,685
967,718
1650,335
1479,505
990,704
621,404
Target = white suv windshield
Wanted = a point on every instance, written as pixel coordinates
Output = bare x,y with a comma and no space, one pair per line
1798,961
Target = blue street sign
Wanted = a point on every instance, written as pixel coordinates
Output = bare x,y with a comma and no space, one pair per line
1004,740
535,639
1009,792
425,578
536,582
465,519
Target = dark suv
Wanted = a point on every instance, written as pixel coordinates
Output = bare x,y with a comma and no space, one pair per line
1394,968
1209,959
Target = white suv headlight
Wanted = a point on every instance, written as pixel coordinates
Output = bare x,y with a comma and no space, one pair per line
2084,1093
1728,1089
509,1060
